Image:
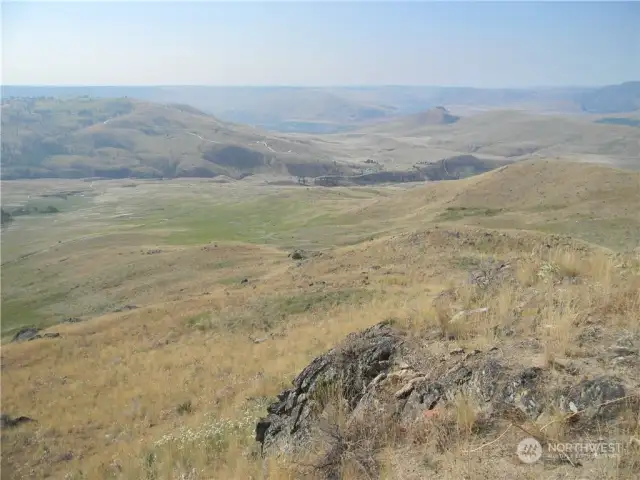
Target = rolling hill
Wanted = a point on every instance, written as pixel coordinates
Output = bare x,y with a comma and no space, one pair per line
183,308
334,109
515,135
85,137
117,138
595,203
612,99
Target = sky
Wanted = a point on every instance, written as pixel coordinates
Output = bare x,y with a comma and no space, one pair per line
502,44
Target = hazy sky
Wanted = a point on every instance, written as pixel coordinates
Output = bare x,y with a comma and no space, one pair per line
503,44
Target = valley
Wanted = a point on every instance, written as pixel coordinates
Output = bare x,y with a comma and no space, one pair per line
162,285
166,274
320,241
120,138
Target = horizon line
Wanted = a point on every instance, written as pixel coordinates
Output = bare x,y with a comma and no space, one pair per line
274,85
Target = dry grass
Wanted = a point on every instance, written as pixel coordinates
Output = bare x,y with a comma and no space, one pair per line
121,410
172,389
590,202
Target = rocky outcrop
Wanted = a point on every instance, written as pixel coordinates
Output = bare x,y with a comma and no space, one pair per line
380,370
594,399
489,272
27,334
353,366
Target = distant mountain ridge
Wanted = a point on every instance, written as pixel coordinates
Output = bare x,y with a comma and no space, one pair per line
86,137
117,138
333,109
621,98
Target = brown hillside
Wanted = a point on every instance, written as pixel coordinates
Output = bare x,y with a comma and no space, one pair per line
578,199
548,183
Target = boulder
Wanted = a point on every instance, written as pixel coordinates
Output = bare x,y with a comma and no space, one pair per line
28,334
24,334
370,378
6,421
297,255
350,368
598,398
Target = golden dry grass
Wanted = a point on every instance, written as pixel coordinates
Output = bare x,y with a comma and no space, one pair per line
590,202
110,390
172,389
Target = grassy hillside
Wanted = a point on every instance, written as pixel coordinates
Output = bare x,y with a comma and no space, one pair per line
591,202
116,138
519,135
189,313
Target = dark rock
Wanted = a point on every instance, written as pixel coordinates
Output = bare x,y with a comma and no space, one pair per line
484,381
72,320
459,375
595,398
424,397
244,281
261,429
297,255
349,368
7,421
521,391
361,366
24,334
488,382
488,273
370,373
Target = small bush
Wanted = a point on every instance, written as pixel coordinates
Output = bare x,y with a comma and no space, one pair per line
185,408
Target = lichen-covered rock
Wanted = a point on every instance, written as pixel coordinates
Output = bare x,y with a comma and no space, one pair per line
596,398
522,392
487,382
351,367
370,374
489,273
